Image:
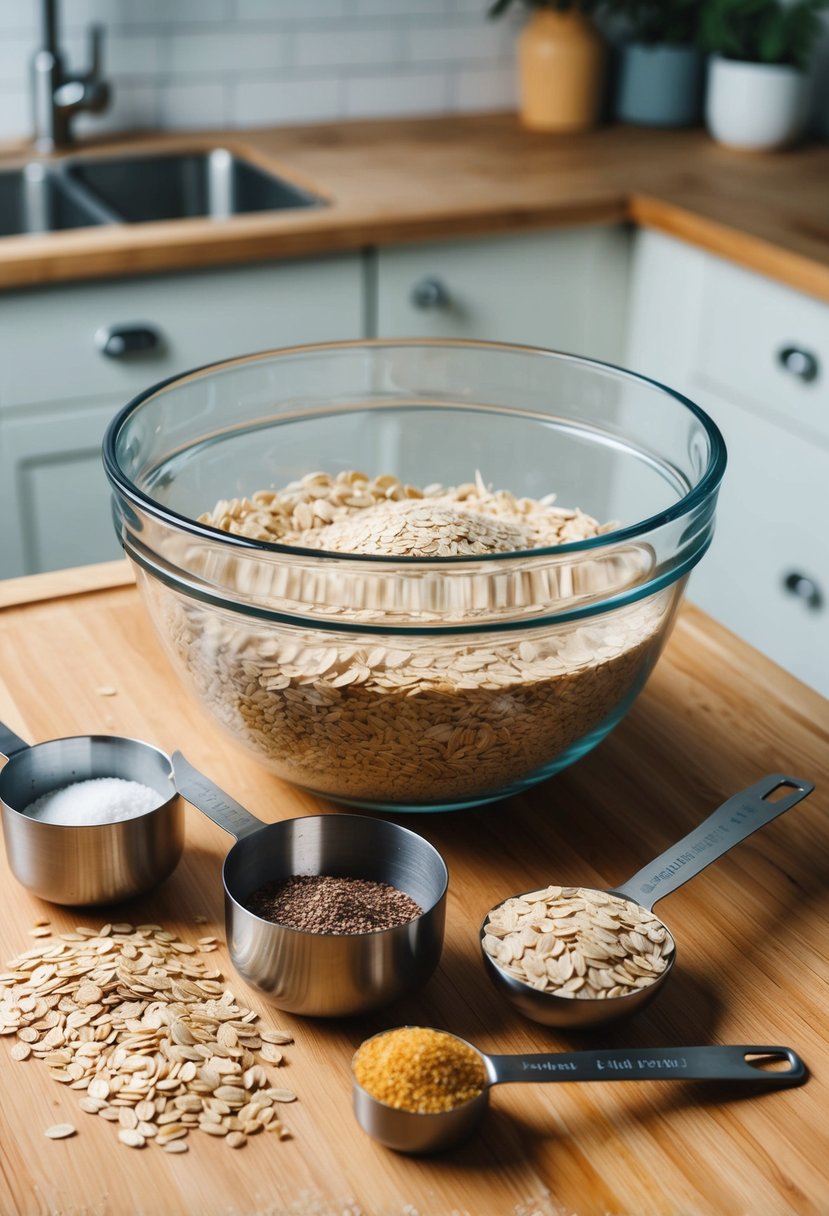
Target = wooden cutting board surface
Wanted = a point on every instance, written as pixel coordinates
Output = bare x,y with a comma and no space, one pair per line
752,954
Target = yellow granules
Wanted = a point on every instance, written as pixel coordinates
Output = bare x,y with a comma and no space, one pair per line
421,1070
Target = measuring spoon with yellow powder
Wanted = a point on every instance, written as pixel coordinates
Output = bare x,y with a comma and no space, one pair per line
578,957
419,1090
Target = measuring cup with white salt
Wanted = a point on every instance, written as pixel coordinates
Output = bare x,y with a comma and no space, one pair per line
92,819
559,955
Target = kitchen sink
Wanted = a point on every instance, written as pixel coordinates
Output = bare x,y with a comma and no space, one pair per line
32,199
213,183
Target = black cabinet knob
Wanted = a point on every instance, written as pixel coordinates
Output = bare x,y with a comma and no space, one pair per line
804,588
430,293
120,341
800,363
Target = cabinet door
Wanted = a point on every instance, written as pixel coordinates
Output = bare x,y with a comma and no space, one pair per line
565,290
766,575
54,495
50,338
58,390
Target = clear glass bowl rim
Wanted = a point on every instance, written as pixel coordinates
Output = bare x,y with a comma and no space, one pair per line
707,484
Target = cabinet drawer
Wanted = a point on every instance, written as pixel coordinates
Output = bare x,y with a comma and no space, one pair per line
565,290
48,347
767,345
770,533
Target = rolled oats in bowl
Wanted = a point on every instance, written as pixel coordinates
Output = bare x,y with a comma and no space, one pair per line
417,636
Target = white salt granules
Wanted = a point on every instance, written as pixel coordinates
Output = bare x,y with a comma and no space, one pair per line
101,800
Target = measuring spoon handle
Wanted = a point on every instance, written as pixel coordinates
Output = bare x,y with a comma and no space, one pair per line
737,818
730,1063
10,743
213,801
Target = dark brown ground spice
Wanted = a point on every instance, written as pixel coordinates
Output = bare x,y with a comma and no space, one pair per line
319,903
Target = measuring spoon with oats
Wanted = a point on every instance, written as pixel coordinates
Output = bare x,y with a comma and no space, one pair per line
578,957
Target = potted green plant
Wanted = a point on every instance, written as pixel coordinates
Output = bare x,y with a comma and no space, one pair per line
561,61
659,80
757,96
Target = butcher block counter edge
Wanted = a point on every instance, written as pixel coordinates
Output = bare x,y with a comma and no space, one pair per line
392,182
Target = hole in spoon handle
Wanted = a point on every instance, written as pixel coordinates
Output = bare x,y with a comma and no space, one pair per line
732,822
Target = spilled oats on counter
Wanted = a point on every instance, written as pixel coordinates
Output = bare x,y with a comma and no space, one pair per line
146,1033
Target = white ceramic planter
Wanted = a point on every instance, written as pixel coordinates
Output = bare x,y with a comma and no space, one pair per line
755,105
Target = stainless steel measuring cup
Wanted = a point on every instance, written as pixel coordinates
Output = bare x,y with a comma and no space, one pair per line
98,863
324,974
731,823
412,1132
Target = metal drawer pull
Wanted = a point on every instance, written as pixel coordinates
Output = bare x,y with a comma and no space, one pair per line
119,341
799,363
430,293
804,588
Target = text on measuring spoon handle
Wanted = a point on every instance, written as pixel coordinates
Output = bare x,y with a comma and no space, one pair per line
729,1063
732,822
212,801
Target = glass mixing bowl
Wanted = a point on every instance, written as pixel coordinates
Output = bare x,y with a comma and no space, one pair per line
415,683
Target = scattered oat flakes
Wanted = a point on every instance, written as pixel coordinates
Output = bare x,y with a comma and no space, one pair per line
106,691
146,1032
60,1131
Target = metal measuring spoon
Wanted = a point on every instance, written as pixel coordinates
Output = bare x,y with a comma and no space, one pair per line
96,863
413,1132
731,823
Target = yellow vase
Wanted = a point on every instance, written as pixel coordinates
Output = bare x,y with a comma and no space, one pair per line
561,58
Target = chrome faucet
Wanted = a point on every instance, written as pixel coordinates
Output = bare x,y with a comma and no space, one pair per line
58,94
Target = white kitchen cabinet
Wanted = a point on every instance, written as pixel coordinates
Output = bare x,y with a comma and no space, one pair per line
58,390
565,290
755,355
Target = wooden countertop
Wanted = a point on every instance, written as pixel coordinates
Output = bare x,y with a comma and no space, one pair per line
753,962
416,180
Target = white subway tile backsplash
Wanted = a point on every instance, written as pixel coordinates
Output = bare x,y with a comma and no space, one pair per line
15,115
214,63
17,18
226,53
367,96
265,103
134,55
137,13
193,107
292,10
484,88
341,46
408,9
460,43
133,108
15,58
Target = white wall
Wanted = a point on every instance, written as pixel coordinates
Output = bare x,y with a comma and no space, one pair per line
203,63
224,63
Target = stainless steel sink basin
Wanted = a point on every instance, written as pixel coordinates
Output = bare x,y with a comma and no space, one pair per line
32,199
212,183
